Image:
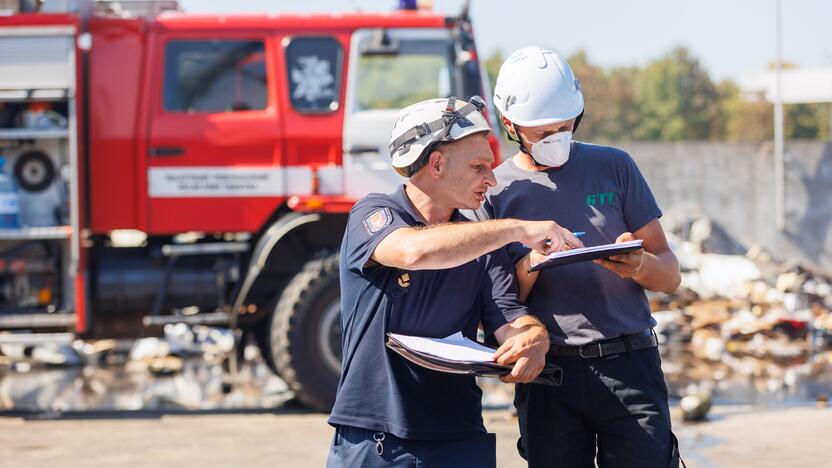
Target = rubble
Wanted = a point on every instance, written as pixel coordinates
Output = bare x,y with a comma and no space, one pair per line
142,375
695,406
186,369
748,317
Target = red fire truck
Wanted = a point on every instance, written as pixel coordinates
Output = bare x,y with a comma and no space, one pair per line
175,168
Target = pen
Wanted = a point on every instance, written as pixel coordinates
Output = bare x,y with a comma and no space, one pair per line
574,233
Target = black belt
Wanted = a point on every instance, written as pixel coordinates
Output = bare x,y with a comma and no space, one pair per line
643,340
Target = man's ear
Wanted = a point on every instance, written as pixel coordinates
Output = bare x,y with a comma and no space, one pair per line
436,163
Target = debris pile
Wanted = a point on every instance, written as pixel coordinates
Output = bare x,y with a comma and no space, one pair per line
748,316
187,368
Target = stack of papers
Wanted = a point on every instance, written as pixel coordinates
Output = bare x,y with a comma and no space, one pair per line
456,354
586,253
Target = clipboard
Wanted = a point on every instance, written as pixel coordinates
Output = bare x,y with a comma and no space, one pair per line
584,254
551,375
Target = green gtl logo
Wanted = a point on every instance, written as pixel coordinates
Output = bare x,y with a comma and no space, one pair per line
604,198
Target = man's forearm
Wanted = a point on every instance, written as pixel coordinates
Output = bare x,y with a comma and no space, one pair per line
519,325
525,280
659,272
524,342
454,244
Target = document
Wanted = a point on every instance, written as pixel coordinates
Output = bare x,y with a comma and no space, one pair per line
456,354
455,348
584,254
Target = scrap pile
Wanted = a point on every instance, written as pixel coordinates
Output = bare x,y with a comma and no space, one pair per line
186,368
743,316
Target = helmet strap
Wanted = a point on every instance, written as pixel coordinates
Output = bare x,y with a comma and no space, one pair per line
577,121
421,162
519,140
523,149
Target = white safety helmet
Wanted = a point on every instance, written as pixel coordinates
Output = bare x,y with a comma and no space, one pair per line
420,126
536,87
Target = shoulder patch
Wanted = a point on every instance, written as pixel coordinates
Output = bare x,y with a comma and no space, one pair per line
377,220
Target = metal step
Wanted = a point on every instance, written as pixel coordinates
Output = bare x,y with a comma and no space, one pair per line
36,338
34,233
210,248
210,318
37,320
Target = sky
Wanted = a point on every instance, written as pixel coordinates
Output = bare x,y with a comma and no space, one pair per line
731,38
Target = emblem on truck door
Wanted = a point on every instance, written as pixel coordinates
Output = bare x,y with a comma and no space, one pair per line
313,80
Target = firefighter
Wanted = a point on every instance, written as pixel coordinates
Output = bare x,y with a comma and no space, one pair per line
613,401
411,264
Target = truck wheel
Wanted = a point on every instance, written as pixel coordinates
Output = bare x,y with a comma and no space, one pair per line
306,332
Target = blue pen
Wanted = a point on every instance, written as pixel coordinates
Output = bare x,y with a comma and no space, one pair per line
574,233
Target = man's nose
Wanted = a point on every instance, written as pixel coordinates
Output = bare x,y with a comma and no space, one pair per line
490,180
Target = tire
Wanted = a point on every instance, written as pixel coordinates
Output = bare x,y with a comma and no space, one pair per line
34,171
306,333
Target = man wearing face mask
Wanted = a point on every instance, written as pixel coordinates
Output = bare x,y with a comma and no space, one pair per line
613,402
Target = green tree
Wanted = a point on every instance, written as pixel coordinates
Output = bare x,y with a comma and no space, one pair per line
802,121
745,118
611,112
676,99
492,66
825,121
751,118
596,96
622,111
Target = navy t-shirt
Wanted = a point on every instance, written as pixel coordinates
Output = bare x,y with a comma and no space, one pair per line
380,390
601,191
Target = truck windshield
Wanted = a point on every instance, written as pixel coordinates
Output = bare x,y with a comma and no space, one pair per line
420,69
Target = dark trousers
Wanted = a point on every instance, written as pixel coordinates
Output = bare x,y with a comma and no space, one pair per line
353,447
615,404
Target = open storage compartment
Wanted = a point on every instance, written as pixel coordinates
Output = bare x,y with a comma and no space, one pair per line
39,218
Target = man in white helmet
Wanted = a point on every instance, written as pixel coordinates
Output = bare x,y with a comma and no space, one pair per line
613,401
411,264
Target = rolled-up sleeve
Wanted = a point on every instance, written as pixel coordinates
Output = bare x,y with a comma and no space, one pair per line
370,221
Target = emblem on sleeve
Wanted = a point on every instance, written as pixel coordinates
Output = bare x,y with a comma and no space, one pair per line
378,219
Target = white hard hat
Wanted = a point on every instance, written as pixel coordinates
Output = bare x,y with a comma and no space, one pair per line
536,87
421,125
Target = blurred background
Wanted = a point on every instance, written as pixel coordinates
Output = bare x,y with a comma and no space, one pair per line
175,178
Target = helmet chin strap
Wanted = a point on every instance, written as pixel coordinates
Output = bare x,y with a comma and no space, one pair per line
577,122
523,149
519,140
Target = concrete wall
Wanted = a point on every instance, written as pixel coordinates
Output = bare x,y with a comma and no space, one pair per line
733,184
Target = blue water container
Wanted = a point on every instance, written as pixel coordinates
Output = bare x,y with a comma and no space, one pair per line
9,203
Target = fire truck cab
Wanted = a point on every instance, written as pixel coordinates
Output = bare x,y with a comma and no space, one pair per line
172,168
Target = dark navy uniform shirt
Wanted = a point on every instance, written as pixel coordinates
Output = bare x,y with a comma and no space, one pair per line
600,191
380,390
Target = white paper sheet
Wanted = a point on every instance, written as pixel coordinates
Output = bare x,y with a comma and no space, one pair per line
452,348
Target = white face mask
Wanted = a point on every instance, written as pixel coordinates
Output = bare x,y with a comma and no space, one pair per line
553,150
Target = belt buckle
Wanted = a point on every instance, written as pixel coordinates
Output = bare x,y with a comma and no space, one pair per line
600,351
